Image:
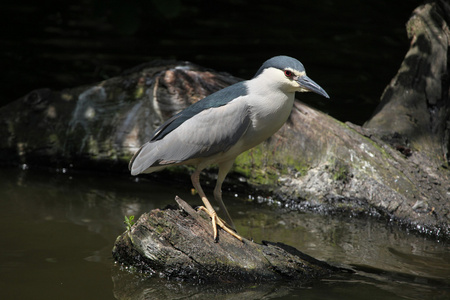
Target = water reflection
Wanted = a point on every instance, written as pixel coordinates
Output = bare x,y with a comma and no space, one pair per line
58,231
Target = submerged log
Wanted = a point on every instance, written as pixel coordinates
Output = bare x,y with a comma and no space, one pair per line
179,243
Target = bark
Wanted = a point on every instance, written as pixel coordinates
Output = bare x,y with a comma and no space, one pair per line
413,115
179,243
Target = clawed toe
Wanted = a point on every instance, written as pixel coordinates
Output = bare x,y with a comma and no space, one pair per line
218,222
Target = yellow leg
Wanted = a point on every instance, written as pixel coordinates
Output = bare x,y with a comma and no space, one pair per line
224,168
216,221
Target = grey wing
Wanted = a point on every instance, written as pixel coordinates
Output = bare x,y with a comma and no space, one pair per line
209,132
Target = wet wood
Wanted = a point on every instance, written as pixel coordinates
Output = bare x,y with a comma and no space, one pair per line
178,243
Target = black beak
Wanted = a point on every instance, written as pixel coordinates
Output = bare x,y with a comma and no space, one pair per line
309,85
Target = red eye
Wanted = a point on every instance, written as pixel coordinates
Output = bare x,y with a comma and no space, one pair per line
288,73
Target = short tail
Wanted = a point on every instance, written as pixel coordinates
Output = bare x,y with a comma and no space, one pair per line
144,159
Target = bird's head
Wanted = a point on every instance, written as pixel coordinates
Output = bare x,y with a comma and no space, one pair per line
289,74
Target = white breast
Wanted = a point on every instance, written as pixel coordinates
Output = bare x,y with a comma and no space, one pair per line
269,107
269,103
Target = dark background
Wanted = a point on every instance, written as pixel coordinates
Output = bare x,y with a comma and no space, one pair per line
351,48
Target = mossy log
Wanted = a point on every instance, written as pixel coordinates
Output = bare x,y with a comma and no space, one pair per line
179,243
396,166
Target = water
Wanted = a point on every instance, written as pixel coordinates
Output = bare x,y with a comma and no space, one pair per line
58,230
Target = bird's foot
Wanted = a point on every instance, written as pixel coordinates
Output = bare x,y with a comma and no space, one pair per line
216,221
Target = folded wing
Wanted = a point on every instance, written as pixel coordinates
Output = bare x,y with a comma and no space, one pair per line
208,132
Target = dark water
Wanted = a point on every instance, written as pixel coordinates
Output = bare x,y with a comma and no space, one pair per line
57,231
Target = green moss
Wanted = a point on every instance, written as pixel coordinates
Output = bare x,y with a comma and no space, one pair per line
139,92
379,148
53,138
124,156
159,229
251,165
92,146
263,165
340,172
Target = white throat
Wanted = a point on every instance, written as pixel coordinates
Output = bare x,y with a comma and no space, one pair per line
270,103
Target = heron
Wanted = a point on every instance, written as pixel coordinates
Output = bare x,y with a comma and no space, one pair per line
216,129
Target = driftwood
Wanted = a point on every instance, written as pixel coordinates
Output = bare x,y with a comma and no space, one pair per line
178,243
396,166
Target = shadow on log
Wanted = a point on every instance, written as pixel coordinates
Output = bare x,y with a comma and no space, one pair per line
178,243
